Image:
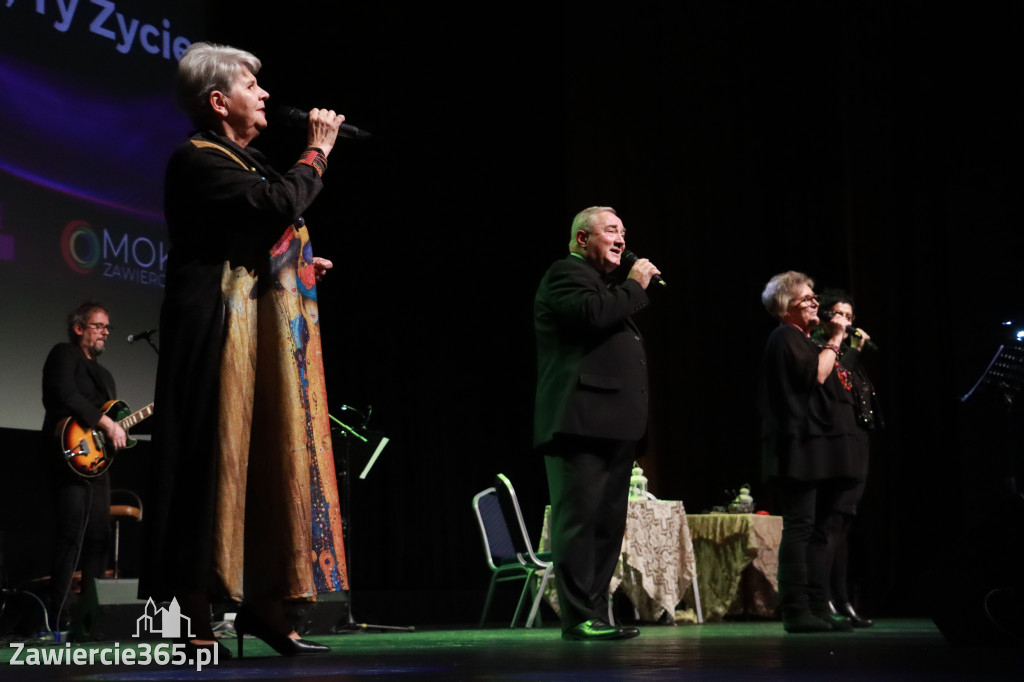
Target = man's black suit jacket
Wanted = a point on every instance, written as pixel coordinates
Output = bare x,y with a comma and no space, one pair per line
74,385
591,364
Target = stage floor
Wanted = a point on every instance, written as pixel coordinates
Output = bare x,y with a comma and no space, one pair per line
892,650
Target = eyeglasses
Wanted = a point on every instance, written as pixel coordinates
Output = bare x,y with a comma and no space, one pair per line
99,326
809,298
850,316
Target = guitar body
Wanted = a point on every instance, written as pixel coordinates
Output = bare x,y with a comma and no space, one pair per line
86,450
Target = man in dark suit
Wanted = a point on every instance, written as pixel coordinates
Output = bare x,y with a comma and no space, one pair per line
76,385
591,410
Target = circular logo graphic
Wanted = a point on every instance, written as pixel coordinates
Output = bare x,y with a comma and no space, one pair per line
80,247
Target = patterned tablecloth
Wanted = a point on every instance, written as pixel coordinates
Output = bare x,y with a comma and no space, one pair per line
737,561
656,566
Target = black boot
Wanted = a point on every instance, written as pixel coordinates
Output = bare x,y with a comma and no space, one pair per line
796,613
818,597
803,622
835,621
846,609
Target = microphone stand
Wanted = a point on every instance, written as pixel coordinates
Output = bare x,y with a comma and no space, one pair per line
344,476
148,339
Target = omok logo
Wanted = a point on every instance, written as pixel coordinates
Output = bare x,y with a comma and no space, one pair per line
87,250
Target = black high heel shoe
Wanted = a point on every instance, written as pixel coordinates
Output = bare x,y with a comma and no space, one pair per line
846,609
246,622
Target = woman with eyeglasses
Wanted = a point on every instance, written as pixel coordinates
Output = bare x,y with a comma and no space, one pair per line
809,439
837,305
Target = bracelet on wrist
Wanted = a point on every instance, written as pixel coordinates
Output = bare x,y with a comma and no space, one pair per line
315,158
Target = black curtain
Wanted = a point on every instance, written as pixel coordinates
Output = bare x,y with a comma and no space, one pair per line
872,145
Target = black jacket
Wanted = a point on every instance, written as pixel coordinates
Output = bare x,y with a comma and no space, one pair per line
74,386
591,364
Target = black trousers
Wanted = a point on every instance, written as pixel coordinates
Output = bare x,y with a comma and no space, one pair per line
81,536
805,555
588,480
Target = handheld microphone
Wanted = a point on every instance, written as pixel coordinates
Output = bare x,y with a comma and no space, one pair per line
298,118
628,257
853,331
141,336
827,315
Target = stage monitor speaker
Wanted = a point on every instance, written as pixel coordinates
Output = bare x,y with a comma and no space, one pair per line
323,616
980,590
108,610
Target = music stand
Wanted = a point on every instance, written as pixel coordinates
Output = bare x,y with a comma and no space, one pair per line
344,476
985,611
1004,376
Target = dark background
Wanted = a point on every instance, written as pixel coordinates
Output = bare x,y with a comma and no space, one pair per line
872,145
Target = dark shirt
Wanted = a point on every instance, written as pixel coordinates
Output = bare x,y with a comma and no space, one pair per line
808,428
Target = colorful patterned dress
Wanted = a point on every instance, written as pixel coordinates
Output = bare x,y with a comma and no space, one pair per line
244,497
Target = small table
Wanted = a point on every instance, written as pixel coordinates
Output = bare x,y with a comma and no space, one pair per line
738,558
656,566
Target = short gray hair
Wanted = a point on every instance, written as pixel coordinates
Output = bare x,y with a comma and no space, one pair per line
205,67
779,291
584,220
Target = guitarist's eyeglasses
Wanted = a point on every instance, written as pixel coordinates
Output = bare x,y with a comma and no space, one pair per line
99,326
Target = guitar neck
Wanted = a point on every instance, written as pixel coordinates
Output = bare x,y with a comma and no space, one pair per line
135,417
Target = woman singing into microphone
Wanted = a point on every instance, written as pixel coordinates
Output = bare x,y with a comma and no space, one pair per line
244,501
810,444
837,305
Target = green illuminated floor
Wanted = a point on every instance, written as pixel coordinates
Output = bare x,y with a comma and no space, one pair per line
892,650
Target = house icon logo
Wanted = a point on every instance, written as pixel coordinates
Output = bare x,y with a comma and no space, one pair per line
166,622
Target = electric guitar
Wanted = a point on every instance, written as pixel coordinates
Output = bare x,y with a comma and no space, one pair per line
86,450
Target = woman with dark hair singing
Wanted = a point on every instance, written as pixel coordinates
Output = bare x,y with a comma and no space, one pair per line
838,305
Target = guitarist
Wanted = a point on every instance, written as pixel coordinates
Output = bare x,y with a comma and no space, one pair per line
76,385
